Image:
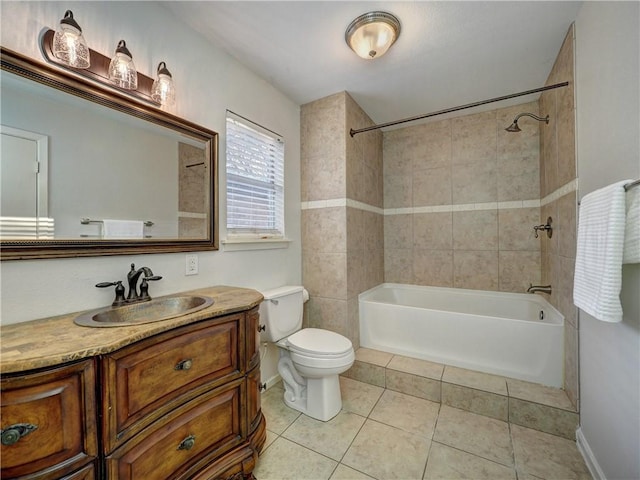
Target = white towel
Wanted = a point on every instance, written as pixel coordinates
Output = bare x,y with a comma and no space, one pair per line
598,275
632,232
122,229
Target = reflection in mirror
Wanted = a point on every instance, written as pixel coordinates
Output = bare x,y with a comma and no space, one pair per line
133,176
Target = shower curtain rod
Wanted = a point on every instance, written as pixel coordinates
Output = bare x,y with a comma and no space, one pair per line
353,132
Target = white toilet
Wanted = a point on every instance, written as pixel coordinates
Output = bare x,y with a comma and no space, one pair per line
310,358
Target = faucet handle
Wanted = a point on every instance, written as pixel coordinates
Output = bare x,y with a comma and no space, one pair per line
119,300
144,287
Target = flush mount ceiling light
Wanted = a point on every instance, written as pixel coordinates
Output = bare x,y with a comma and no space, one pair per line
69,46
163,90
122,71
371,34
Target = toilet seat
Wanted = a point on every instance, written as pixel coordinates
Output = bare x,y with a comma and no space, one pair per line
319,343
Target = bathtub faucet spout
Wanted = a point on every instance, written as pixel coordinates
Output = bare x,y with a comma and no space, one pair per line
539,288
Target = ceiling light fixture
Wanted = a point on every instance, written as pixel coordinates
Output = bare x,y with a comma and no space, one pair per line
69,46
163,90
371,34
122,71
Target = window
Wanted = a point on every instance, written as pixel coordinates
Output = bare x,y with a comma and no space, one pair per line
255,180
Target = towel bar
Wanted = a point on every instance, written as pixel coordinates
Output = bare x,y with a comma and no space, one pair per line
87,221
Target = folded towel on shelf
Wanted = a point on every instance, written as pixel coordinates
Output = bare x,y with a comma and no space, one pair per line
122,229
598,274
632,232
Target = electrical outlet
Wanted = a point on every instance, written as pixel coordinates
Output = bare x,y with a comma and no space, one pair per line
192,264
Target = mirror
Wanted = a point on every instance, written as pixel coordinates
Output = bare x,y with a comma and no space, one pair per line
88,170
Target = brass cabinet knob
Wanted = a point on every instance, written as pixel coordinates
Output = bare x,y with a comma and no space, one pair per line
187,443
13,433
184,364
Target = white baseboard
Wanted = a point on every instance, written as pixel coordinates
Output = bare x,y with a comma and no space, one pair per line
272,381
589,457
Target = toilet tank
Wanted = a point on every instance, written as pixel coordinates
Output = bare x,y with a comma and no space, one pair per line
281,312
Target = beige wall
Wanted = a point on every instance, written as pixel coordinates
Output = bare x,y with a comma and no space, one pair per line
559,201
342,249
461,197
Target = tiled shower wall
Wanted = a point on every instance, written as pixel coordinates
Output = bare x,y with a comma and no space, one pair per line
559,200
461,197
342,221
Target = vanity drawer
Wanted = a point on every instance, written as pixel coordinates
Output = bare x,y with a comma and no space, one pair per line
151,378
185,441
49,420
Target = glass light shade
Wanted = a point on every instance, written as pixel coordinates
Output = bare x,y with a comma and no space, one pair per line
370,35
69,46
122,71
163,90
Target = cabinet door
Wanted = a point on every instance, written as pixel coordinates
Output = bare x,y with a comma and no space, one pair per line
151,378
186,441
48,421
253,338
253,399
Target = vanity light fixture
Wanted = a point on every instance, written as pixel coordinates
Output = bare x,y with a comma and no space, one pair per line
69,46
122,71
163,90
371,34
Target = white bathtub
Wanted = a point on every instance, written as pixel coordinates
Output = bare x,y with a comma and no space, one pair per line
511,334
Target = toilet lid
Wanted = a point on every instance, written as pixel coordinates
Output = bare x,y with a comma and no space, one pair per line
318,341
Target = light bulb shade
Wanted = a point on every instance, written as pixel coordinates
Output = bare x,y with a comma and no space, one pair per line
122,71
69,46
163,90
370,35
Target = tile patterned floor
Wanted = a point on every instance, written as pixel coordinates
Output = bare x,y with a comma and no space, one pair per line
382,434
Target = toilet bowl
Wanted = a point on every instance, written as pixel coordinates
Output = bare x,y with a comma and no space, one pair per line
310,358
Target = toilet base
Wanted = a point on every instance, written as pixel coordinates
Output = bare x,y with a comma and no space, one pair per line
319,399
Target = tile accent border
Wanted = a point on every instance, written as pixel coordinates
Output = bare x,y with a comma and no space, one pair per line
572,186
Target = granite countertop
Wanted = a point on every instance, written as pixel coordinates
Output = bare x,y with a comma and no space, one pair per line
52,341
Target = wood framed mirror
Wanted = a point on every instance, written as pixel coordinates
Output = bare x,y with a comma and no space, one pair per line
112,162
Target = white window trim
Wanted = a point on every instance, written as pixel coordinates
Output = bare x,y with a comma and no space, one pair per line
236,241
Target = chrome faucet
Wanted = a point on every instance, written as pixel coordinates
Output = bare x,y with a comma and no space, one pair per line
539,288
132,280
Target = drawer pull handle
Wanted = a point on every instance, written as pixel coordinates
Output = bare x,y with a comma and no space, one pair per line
187,443
262,386
13,433
262,328
184,364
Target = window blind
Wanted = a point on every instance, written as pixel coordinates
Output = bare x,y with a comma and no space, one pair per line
255,180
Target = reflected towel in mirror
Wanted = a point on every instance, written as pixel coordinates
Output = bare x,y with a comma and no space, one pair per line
122,229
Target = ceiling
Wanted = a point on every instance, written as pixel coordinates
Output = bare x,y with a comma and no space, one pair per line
448,53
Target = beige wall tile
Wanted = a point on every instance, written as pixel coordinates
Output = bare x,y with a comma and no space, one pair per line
324,178
565,226
354,224
564,285
329,314
398,265
518,270
398,231
324,230
475,230
473,379
398,191
475,269
433,267
437,139
548,143
474,138
399,149
367,373
571,360
375,357
374,231
433,231
515,229
475,183
534,392
524,144
518,178
325,274
431,187
353,322
356,273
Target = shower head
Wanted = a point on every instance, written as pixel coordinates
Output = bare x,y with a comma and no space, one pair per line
514,126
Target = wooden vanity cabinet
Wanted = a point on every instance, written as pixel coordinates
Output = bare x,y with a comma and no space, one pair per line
182,404
49,423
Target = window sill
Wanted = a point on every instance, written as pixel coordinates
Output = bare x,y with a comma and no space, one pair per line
239,244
